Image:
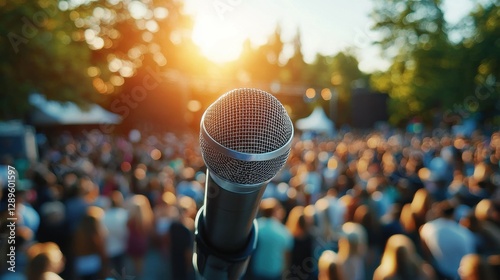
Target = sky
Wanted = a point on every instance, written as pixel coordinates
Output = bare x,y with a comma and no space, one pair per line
325,26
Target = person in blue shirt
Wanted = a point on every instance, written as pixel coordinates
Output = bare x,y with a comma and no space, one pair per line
274,243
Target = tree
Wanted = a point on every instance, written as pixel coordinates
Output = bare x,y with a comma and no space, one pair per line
345,72
340,72
414,37
319,73
431,72
295,68
482,56
117,53
262,63
38,53
144,55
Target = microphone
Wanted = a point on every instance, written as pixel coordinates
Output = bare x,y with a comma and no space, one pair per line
245,139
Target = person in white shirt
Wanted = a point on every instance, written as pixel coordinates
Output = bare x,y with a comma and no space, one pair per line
446,242
353,246
115,221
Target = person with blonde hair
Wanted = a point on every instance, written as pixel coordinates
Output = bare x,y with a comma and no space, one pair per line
330,266
487,216
140,227
420,207
352,251
400,261
474,267
45,262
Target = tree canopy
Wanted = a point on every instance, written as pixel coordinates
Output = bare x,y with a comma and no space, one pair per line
430,72
137,59
39,53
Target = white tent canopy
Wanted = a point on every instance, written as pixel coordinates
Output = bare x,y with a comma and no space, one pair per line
317,122
68,113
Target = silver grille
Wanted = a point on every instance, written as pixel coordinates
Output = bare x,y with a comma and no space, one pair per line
247,121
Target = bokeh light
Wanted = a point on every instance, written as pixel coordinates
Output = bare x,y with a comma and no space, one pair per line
125,166
194,105
326,94
310,93
155,154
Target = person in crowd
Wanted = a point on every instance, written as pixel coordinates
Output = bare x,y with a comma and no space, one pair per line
89,248
46,261
53,227
274,244
165,212
494,262
336,208
390,223
488,216
470,222
409,223
27,215
475,267
400,261
140,226
181,246
312,180
52,222
355,177
110,184
445,242
115,220
330,267
44,184
187,205
353,251
325,215
380,199
188,186
303,241
79,189
420,207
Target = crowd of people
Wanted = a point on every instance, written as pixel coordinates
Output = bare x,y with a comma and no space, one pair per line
378,205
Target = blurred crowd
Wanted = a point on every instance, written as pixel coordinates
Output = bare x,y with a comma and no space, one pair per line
377,205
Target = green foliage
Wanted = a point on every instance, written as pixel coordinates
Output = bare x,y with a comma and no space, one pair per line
484,59
38,54
319,73
103,51
98,51
431,72
345,72
295,68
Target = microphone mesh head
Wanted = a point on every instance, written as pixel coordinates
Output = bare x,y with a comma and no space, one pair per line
247,121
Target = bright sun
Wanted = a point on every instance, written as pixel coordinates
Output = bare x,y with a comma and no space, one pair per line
218,40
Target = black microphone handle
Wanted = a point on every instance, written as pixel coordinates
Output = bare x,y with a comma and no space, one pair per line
229,216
